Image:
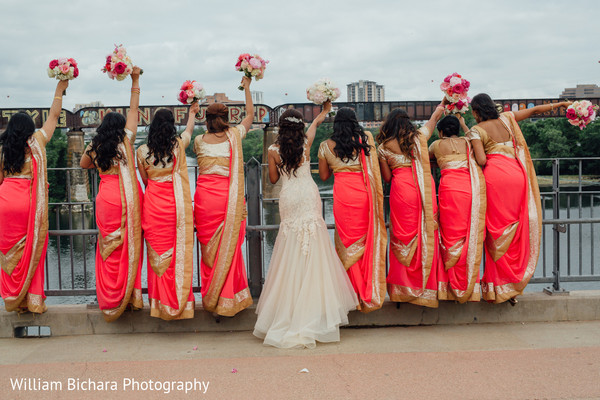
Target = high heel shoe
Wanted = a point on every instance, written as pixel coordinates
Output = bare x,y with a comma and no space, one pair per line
513,301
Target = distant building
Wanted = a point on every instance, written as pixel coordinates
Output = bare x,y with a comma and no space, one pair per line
365,91
220,98
257,97
92,104
581,92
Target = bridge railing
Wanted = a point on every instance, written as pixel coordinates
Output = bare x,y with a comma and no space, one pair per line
570,210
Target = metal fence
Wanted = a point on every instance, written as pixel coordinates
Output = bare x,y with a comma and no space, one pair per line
571,221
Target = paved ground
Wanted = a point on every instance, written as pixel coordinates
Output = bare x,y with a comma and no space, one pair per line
492,361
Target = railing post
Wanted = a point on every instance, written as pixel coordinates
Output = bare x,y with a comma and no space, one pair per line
79,185
556,229
254,238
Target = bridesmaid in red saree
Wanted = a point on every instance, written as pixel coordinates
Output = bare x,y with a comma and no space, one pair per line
461,195
414,251
360,233
220,211
167,217
514,215
118,210
24,208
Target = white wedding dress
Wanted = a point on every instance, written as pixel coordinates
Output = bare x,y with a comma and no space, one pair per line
307,293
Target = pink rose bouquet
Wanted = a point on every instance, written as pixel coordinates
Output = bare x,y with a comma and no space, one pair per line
322,90
118,64
63,69
581,113
190,92
455,87
251,66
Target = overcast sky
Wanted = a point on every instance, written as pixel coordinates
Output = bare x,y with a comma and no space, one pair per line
505,48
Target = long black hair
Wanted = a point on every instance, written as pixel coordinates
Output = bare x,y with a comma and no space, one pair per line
485,107
349,137
162,137
109,135
14,142
397,125
291,141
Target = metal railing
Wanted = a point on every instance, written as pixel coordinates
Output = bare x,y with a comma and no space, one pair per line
570,208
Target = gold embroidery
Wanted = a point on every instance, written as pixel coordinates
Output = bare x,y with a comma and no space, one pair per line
9,261
498,247
351,254
209,250
107,244
159,263
451,255
404,253
230,307
163,311
213,166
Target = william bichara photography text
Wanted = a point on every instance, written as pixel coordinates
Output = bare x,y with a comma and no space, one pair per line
124,385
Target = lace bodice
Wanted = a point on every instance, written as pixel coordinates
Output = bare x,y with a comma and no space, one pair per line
300,205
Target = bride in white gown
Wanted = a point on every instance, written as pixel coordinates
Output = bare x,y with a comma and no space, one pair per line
307,293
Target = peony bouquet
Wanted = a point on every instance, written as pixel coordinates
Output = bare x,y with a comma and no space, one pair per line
118,64
63,69
455,87
581,113
322,90
190,92
251,66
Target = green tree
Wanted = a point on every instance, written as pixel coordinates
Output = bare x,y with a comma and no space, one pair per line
252,145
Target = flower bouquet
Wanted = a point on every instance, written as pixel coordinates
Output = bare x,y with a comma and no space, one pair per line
190,92
455,87
251,66
63,69
118,64
581,113
322,90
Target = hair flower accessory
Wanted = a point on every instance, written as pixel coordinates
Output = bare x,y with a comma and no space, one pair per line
294,119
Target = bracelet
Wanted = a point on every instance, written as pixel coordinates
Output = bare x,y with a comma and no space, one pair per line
135,90
58,98
551,106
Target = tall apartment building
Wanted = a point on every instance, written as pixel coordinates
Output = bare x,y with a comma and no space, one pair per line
581,92
365,91
257,97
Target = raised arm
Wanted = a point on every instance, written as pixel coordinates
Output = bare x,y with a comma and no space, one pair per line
528,112
463,124
433,120
134,103
55,109
186,136
249,118
312,129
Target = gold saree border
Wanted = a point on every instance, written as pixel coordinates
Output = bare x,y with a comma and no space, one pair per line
40,229
9,261
475,240
235,215
163,311
131,219
502,293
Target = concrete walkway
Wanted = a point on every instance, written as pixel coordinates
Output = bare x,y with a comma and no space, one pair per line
554,360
